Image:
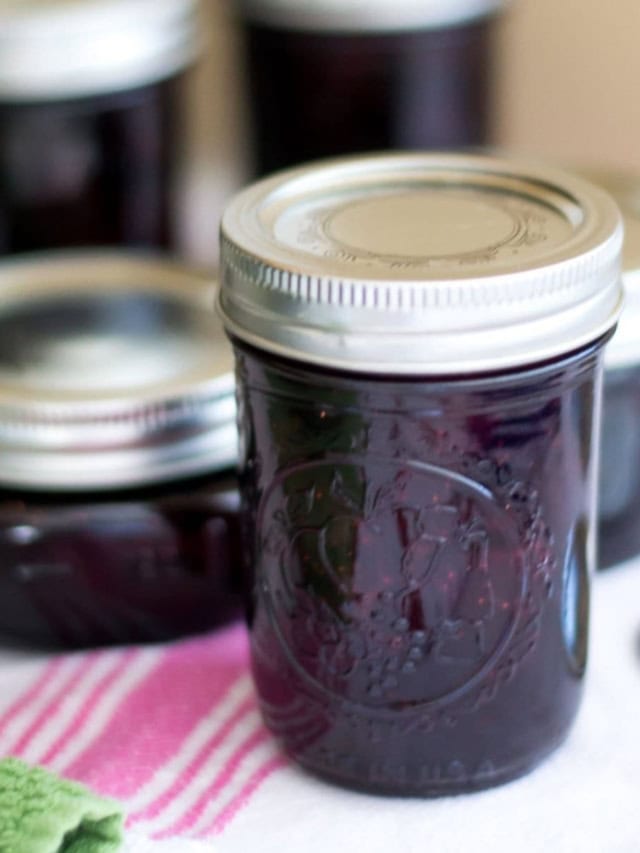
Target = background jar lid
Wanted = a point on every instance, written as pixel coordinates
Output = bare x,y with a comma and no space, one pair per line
623,350
56,49
114,372
367,15
421,263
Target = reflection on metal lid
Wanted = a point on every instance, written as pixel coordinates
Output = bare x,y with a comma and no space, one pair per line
114,371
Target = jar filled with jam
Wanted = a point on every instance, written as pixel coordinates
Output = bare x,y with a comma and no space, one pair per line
619,498
331,77
118,500
90,126
418,342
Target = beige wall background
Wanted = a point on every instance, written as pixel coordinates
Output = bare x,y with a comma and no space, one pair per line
566,81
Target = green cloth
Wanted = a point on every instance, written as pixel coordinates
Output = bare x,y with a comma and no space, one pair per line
42,813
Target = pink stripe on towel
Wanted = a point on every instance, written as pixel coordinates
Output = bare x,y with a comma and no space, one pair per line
32,693
43,718
154,719
222,779
195,766
243,797
92,701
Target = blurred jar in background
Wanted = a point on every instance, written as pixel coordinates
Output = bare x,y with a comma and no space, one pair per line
330,77
90,127
619,528
118,502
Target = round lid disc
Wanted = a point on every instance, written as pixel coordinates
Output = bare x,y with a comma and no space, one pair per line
423,227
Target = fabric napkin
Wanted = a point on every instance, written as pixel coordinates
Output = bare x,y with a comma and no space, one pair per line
173,733
42,813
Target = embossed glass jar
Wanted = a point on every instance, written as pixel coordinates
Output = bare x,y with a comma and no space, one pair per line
119,508
419,342
333,77
619,494
91,135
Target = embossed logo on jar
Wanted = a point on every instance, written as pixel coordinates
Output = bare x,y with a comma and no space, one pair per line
390,585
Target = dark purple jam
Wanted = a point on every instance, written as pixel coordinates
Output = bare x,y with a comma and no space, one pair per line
135,566
619,493
421,552
317,94
90,171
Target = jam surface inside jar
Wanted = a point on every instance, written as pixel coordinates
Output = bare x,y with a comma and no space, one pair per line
421,582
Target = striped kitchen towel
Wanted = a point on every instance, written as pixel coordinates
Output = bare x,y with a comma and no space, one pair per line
172,732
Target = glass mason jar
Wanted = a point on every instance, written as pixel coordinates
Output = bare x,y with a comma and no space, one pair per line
328,78
118,504
619,494
419,342
90,127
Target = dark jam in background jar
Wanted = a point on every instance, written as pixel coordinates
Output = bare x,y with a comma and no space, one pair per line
90,121
139,565
419,344
89,171
331,79
119,509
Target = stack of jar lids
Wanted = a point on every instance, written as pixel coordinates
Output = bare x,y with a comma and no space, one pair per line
114,372
59,48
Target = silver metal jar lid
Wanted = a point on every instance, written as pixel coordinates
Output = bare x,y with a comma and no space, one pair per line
114,372
55,49
367,15
420,264
623,350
